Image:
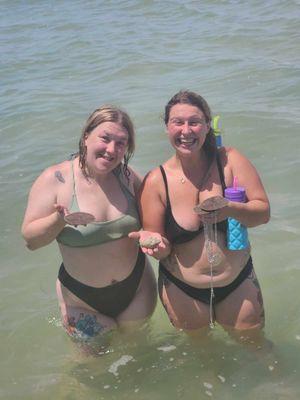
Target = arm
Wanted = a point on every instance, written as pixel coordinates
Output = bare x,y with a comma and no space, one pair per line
43,218
152,210
256,210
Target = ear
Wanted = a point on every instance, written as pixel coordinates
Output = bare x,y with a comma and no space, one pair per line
85,137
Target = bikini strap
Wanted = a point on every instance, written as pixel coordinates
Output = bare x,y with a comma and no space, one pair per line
125,189
73,177
74,202
166,183
221,172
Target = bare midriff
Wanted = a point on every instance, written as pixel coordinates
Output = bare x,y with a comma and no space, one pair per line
189,262
100,265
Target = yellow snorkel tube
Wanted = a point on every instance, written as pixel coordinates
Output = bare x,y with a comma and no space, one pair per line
217,130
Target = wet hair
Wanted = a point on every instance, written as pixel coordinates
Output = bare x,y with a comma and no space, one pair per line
194,99
107,113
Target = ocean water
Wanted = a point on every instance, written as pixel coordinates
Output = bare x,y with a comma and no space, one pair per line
62,59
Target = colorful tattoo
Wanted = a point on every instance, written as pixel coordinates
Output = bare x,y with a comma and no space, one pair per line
59,177
85,326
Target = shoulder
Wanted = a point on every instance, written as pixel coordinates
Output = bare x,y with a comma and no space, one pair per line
238,162
230,155
55,174
154,177
153,186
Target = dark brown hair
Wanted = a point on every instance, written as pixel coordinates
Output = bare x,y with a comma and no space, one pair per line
194,99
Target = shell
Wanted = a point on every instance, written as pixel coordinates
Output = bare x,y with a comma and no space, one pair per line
150,242
79,218
214,203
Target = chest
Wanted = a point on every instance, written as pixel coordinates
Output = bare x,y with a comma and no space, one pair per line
183,197
106,202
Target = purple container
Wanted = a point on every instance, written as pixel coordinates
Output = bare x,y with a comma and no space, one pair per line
236,194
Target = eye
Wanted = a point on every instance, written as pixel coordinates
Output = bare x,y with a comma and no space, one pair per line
195,122
121,144
177,122
104,138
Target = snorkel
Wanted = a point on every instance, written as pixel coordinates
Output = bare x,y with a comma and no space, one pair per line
217,130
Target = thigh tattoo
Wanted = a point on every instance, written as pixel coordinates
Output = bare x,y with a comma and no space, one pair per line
86,325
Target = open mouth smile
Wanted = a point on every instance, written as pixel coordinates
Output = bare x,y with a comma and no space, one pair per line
186,142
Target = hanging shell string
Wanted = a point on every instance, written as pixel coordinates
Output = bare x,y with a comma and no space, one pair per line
211,235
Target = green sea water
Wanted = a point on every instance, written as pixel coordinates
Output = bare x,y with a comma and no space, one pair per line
62,59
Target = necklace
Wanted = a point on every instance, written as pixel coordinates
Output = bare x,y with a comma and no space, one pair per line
206,175
204,178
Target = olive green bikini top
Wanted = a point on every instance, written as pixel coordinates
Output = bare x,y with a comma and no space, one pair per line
100,232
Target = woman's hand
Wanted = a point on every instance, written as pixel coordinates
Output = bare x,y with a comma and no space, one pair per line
62,210
152,243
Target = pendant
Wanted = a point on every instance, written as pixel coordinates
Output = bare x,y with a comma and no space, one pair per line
182,180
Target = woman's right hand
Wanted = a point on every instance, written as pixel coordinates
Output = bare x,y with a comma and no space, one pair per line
152,243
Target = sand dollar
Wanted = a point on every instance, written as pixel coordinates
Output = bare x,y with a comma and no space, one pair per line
214,203
79,218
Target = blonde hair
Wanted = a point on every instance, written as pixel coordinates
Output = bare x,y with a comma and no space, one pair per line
107,113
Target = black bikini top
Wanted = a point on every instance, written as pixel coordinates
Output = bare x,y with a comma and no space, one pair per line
175,233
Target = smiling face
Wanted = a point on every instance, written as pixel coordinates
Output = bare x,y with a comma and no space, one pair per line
105,132
187,128
106,146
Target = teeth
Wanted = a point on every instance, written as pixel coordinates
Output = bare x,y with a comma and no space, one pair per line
108,158
187,141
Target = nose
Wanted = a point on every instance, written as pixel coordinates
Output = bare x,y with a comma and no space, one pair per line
111,147
185,128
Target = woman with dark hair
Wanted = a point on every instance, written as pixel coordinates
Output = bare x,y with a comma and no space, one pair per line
194,292
104,281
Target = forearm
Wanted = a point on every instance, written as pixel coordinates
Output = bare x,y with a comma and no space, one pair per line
42,231
250,214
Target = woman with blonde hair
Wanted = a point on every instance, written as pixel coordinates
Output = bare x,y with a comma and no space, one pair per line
88,204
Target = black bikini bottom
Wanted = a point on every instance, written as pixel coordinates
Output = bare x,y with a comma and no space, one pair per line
109,300
203,295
